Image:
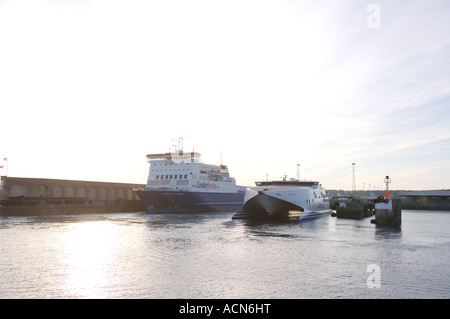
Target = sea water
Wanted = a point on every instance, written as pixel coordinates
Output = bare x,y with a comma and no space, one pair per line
139,255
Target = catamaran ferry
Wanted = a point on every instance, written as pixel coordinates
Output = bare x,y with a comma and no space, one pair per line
179,182
293,199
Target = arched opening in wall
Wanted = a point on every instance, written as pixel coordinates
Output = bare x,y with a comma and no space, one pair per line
111,194
69,192
92,194
102,193
130,194
81,192
18,190
38,190
58,191
121,193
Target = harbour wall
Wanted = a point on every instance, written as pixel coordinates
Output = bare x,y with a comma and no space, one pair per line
426,200
40,196
413,200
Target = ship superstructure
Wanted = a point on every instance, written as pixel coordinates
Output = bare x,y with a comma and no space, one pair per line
180,182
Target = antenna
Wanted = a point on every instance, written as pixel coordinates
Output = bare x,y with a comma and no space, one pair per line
179,145
354,179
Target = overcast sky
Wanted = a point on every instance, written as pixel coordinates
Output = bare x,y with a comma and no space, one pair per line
88,88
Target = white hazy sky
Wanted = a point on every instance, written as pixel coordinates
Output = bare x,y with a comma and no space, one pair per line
88,88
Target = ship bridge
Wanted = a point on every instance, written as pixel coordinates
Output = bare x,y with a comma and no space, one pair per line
175,157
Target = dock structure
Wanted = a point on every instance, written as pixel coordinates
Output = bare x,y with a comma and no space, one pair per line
352,207
388,211
40,196
427,200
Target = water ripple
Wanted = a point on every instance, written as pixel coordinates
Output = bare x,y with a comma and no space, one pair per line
212,256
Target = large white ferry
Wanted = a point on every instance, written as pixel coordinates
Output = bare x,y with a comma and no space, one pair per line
304,200
179,182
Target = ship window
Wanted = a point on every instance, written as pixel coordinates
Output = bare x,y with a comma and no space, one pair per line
167,176
185,176
157,176
170,176
181,176
175,176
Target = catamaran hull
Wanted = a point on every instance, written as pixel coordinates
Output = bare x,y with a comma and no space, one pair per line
281,204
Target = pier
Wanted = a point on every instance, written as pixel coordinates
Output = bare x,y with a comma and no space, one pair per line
40,196
352,207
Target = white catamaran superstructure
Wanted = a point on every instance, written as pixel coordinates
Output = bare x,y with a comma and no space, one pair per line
304,200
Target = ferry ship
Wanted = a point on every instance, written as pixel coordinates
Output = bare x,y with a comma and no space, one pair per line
179,182
292,199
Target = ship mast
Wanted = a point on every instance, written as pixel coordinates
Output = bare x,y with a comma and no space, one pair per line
179,146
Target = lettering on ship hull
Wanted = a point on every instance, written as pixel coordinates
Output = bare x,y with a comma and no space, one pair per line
206,185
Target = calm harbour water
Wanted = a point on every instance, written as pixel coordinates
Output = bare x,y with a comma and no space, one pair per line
136,255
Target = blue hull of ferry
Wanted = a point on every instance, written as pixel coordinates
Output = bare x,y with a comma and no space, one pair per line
190,202
315,215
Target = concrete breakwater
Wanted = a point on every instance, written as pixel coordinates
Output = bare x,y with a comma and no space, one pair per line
39,196
426,200
411,200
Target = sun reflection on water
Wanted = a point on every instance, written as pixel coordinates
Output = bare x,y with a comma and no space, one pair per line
88,260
